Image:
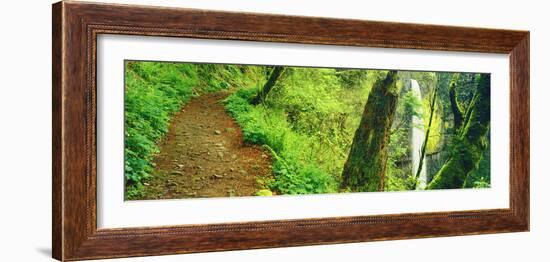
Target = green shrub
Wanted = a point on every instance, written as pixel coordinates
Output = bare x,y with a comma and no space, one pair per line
293,179
153,92
293,172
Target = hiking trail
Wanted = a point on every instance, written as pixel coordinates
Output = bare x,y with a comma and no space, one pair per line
203,155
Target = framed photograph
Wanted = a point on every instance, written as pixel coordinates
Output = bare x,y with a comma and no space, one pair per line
181,130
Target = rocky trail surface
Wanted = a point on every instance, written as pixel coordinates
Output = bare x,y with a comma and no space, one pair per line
203,155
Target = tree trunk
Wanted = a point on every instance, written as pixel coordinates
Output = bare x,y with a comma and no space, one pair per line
469,111
365,167
469,148
425,143
275,74
457,113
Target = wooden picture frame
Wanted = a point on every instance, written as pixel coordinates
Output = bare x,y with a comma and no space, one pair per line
76,26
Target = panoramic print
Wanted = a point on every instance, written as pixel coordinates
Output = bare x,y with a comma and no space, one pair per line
197,130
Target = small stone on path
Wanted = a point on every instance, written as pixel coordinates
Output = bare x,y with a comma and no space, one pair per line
177,173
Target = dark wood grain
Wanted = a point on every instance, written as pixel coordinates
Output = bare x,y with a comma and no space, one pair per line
519,130
76,26
57,195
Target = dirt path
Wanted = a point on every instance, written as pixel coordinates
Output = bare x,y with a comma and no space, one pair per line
203,155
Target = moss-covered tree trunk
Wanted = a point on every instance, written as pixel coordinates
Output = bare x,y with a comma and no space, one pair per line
365,167
469,147
458,115
275,74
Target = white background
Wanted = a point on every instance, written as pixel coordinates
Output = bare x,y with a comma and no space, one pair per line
25,136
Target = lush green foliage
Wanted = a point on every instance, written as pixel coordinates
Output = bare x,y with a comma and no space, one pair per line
293,170
153,92
307,121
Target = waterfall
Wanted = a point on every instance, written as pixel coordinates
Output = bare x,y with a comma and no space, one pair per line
417,138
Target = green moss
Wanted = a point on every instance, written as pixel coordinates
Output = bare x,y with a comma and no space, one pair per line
465,158
468,149
365,168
